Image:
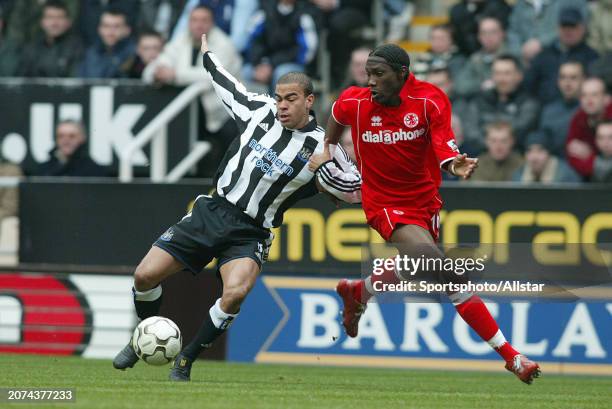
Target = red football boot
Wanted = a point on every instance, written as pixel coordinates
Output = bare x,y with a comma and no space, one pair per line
352,310
523,368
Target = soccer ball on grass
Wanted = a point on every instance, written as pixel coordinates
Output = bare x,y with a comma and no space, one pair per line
157,340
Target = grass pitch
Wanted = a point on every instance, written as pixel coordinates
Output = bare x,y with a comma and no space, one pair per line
230,385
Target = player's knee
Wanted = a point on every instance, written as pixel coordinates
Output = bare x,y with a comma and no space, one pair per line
144,278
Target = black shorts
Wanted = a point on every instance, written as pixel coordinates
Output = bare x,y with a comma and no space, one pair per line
215,228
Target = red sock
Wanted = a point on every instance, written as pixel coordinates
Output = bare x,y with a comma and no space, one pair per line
476,314
506,351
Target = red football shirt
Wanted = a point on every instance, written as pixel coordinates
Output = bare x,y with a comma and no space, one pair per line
399,149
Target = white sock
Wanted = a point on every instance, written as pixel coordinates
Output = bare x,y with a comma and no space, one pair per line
497,340
221,319
148,295
368,285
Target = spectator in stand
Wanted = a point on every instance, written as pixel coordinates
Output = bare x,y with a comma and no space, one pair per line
9,52
69,157
600,27
541,166
57,51
465,16
180,63
24,24
110,57
148,48
441,78
602,68
222,10
602,167
595,107
507,101
475,76
556,115
159,16
442,52
283,39
344,20
541,77
533,24
357,75
91,13
500,161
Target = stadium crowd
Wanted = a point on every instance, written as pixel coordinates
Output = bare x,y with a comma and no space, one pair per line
529,80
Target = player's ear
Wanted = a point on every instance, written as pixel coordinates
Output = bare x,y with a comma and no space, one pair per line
310,101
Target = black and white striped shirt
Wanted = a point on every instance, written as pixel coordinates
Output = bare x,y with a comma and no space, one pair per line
265,170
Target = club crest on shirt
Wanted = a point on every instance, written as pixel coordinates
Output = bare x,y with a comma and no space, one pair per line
376,120
304,154
167,236
411,120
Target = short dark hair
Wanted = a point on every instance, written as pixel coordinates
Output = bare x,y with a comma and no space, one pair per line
395,56
56,4
203,7
296,77
500,126
74,122
604,122
509,57
148,32
116,11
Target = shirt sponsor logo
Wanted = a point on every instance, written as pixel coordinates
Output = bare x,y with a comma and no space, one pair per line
411,120
376,120
269,162
389,137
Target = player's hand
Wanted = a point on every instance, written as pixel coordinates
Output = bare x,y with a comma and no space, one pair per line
318,159
462,166
204,47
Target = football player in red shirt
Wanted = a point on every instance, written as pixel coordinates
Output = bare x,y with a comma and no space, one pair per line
402,138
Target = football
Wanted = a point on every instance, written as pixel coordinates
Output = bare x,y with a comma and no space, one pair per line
157,340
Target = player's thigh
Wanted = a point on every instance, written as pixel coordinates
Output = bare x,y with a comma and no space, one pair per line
239,276
156,265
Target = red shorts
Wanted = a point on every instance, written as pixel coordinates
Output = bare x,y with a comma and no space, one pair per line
386,220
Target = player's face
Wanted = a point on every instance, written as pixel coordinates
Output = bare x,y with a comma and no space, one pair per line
68,138
384,83
293,107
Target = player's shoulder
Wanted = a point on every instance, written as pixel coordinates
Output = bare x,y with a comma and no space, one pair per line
355,93
427,90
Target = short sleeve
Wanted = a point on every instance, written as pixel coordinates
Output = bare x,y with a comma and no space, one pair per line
342,108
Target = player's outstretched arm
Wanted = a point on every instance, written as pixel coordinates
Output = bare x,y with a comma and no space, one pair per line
336,174
237,100
333,133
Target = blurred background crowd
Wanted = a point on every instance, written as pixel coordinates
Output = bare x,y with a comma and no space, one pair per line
529,80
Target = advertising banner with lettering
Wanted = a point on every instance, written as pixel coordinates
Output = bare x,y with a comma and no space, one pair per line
297,320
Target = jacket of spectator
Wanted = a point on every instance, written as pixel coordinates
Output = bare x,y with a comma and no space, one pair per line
529,21
542,75
490,170
473,74
600,27
178,54
101,62
554,122
520,110
24,22
9,196
583,129
464,19
79,164
556,171
153,16
57,59
9,57
602,68
278,38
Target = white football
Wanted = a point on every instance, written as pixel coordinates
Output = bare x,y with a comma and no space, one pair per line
157,340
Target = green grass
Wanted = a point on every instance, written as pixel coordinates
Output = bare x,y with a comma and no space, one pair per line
229,385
